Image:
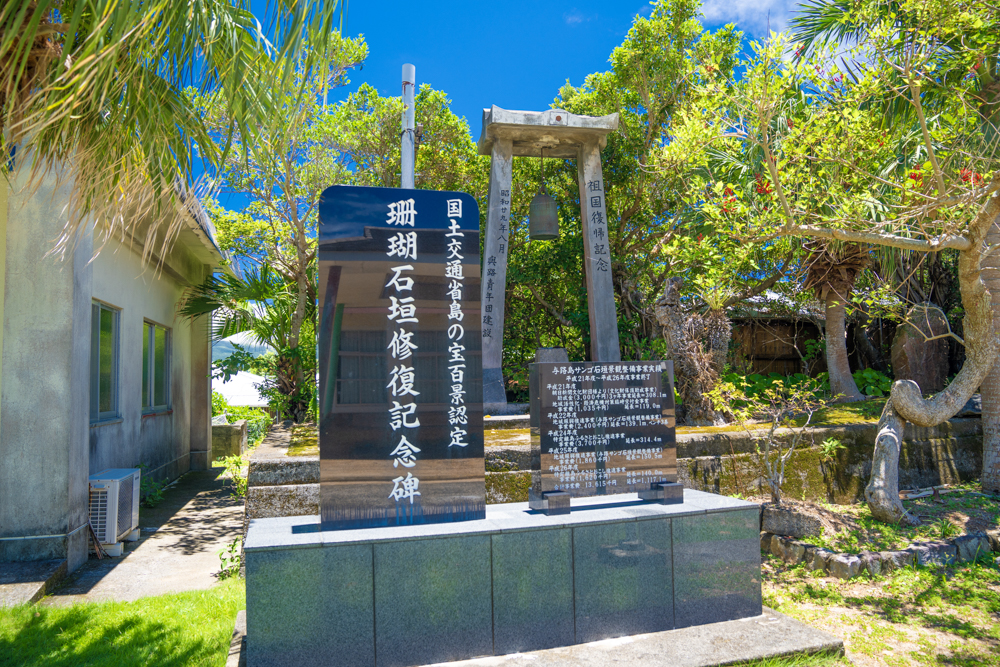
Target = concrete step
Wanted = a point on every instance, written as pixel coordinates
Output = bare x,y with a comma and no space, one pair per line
29,581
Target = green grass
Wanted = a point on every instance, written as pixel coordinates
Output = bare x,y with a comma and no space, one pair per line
914,616
815,660
177,630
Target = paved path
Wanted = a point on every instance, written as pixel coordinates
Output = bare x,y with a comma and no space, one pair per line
177,551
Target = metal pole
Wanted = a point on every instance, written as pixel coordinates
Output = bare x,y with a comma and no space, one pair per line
406,150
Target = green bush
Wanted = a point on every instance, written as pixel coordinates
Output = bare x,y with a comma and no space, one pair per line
872,383
219,404
258,420
755,384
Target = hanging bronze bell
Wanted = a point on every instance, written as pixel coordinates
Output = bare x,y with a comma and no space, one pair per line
543,220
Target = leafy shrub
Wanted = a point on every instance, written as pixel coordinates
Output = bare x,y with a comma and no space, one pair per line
828,448
872,383
231,558
258,420
236,473
756,385
150,492
219,404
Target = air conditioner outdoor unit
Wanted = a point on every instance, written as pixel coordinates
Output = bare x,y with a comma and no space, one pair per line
114,504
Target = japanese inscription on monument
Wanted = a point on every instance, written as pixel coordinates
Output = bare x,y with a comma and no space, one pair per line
401,436
602,428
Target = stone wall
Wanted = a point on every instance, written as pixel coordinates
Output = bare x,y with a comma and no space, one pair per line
229,439
727,463
724,463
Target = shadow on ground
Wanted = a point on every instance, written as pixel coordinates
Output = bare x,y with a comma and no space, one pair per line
178,547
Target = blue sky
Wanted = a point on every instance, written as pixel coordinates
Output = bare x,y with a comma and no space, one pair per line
515,54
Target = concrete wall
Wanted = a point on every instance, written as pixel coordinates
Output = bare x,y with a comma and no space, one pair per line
48,447
161,441
229,439
46,364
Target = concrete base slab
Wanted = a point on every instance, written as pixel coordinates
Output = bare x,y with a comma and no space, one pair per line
238,642
27,582
769,635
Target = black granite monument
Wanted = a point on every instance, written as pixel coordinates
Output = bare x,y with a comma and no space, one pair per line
602,429
401,418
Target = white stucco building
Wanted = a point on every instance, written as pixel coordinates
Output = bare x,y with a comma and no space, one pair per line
97,368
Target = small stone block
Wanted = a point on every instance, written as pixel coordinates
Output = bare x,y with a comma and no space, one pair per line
665,493
845,566
994,538
871,563
896,560
934,553
765,542
132,537
114,550
970,547
552,503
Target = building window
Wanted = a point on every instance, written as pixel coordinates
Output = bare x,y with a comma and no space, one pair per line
155,367
103,362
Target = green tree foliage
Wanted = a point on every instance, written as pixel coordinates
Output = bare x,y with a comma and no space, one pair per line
283,171
656,228
364,129
261,303
888,141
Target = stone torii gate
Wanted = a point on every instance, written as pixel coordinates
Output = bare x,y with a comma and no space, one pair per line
563,135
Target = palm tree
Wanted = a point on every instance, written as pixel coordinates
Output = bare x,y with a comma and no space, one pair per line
98,86
831,270
262,304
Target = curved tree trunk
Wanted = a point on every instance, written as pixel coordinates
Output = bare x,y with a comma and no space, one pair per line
842,384
991,385
906,403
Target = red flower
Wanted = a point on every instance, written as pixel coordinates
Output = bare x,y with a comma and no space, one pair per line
969,175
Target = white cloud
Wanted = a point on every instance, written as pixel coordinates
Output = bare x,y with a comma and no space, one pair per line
575,17
752,16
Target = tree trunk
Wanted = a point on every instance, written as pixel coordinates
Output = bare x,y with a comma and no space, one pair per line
882,492
991,385
842,384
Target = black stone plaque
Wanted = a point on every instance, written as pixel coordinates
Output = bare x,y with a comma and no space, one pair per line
601,429
401,415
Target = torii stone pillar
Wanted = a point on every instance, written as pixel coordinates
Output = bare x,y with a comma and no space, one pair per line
563,135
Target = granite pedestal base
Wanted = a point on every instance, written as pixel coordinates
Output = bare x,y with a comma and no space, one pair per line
517,581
